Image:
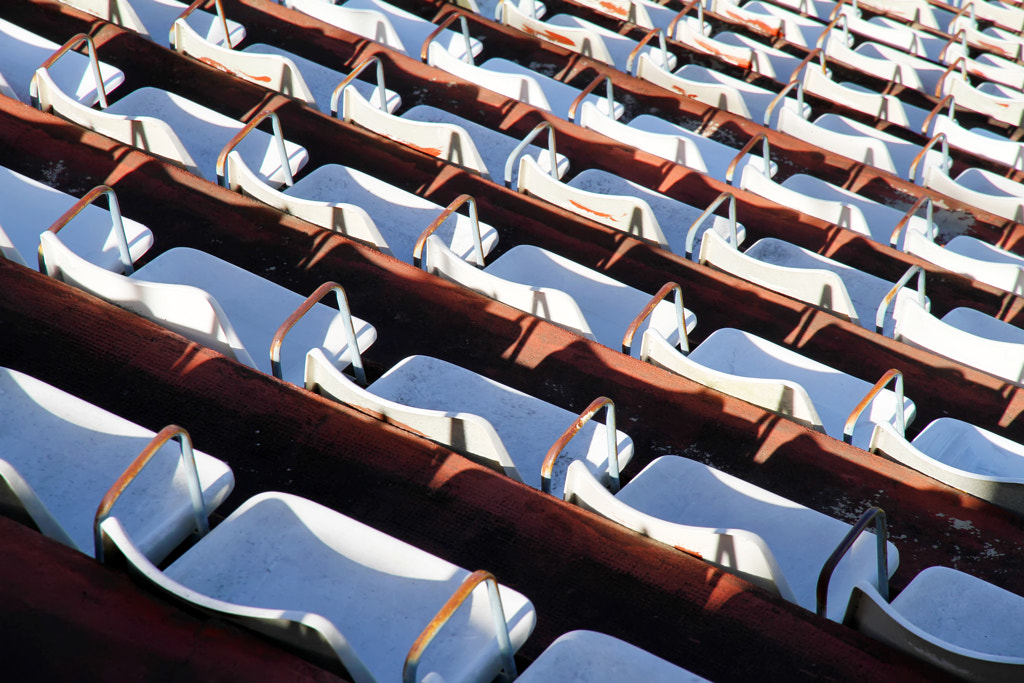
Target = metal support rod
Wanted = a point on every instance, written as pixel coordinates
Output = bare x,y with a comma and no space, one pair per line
474,219
282,151
613,447
382,92
195,488
877,515
346,317
117,220
684,343
521,147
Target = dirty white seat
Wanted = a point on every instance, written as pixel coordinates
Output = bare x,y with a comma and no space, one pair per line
969,458
884,107
579,35
174,128
957,622
335,588
799,30
859,142
399,216
780,380
764,59
591,657
556,289
744,529
215,303
494,424
28,207
983,189
972,257
820,199
997,70
61,454
154,18
441,134
802,274
384,23
625,205
892,32
493,147
490,9
616,46
980,141
276,69
691,34
718,90
919,11
518,82
23,52
888,63
969,338
669,141
1006,109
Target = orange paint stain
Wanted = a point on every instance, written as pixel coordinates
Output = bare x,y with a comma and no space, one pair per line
591,211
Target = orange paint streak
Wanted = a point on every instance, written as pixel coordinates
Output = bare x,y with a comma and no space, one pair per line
613,8
589,210
689,552
735,61
683,92
432,151
217,65
549,35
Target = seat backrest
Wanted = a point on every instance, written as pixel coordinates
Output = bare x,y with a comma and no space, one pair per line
711,94
857,147
442,140
516,86
843,214
189,311
885,107
972,99
581,40
782,397
1003,275
674,148
734,550
904,74
742,57
465,433
625,213
550,304
942,593
119,12
370,24
347,219
147,133
818,287
918,327
271,71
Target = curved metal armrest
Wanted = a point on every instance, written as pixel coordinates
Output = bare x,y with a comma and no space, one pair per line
412,660
448,21
521,147
478,246
336,95
835,10
194,487
891,374
94,63
313,299
684,342
730,171
940,137
671,30
691,233
574,429
897,232
877,515
635,52
220,14
222,158
947,100
826,34
115,213
959,61
609,94
795,83
883,307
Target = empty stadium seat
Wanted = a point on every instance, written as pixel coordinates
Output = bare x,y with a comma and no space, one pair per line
762,537
61,454
350,597
494,424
